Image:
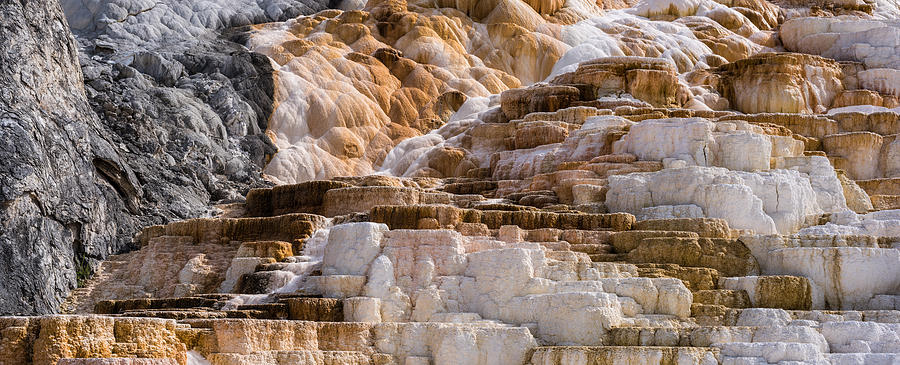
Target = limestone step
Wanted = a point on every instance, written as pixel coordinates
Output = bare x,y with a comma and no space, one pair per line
180,314
266,311
305,197
585,355
504,207
607,257
607,169
275,266
719,315
475,186
773,291
615,269
574,237
117,361
295,357
863,358
885,302
314,309
727,297
885,202
214,306
45,340
277,250
292,228
457,318
260,336
537,199
728,256
624,242
885,186
701,336
568,256
706,336
336,198
878,316
704,227
210,301
713,315
591,249
694,278
203,313
408,217
770,352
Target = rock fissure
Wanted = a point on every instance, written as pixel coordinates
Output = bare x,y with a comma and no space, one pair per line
139,12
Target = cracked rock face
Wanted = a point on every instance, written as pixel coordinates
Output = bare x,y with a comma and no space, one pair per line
113,130
65,191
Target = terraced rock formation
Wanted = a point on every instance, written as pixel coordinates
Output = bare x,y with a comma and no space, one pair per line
517,182
451,271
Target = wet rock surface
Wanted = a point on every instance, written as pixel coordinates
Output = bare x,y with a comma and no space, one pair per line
440,276
558,183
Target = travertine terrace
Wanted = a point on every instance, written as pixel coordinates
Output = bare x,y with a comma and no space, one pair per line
538,182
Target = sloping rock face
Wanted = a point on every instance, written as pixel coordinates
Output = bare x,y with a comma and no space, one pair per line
190,145
650,182
190,113
106,134
356,83
64,188
403,67
138,25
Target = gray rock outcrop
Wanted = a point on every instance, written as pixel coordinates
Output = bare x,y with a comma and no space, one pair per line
148,114
139,25
63,189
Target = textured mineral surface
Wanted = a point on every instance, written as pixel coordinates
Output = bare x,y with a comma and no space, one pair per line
411,182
